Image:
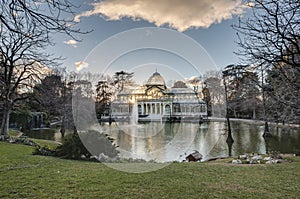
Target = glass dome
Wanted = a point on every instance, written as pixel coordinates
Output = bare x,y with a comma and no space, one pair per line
156,79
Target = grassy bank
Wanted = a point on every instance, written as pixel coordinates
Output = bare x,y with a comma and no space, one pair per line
23,175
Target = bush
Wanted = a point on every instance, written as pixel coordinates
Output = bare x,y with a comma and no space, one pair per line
45,150
95,144
72,148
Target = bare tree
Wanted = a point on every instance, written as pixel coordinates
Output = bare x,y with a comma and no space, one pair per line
21,67
270,40
49,16
271,35
25,32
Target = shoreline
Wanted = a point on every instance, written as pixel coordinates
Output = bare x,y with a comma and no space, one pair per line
249,121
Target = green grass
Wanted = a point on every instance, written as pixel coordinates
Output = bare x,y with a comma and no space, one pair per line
48,143
14,133
23,175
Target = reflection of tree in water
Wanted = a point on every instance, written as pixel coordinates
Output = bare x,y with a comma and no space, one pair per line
209,139
248,138
229,144
284,140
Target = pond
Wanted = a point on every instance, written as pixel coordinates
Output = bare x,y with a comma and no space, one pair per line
165,142
45,134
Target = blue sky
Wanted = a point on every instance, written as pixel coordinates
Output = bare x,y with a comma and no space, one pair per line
107,18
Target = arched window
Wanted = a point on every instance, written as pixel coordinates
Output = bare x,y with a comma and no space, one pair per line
167,109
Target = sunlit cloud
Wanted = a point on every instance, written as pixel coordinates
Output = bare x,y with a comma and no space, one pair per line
178,14
81,65
193,81
71,42
193,78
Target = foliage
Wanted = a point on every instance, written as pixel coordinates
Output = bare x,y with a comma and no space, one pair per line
48,95
43,150
107,89
85,145
104,94
50,144
207,98
179,84
72,148
215,94
21,118
283,99
242,91
122,78
25,33
270,40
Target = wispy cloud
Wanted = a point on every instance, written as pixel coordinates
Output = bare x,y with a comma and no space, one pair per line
71,42
178,14
81,65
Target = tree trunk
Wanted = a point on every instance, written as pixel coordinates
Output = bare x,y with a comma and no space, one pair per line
5,119
266,131
234,112
63,127
254,114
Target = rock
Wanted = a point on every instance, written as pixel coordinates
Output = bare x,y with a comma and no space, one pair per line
245,156
256,157
272,161
287,155
267,158
269,162
102,157
237,161
279,161
12,141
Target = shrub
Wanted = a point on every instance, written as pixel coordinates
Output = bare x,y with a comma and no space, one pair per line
71,147
95,144
45,150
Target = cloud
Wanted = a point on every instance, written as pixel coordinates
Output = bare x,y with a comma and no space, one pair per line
81,65
193,78
71,42
192,81
178,14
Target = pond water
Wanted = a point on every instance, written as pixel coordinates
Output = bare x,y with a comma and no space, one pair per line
165,142
45,133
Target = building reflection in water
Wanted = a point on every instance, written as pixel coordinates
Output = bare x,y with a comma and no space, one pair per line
173,141
164,142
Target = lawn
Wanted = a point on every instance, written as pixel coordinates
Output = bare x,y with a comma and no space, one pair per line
23,175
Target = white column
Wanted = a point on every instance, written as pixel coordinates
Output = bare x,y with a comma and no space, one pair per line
146,108
142,108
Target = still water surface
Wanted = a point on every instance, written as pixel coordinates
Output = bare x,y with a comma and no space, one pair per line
165,142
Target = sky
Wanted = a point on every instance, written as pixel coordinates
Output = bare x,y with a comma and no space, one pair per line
177,38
